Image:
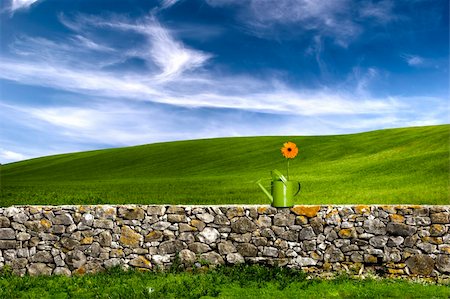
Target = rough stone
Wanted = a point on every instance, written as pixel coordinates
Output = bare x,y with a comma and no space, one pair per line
206,218
172,246
129,237
308,211
420,264
221,220
63,219
304,261
347,233
270,251
226,247
437,230
307,233
7,244
76,259
156,210
284,219
440,218
42,257
132,214
242,225
7,234
395,241
187,257
62,271
140,262
317,224
183,227
105,238
375,226
153,236
39,269
247,249
235,258
69,243
241,238
103,223
378,241
4,222
397,218
198,247
333,254
212,258
289,236
400,229
175,218
208,235
200,225
235,212
443,263
264,221
113,262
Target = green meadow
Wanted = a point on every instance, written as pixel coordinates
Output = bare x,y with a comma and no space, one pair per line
225,282
394,166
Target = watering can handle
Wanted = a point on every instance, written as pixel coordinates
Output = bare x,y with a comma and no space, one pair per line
299,187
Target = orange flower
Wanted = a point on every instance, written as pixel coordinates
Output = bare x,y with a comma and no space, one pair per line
289,150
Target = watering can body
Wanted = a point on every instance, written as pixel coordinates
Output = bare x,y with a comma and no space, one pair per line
282,191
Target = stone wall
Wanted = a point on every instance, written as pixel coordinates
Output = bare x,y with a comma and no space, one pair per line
388,240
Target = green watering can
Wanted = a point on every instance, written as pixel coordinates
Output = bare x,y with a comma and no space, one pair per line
282,191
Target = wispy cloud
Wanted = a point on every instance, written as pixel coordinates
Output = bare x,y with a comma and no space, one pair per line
168,3
174,80
336,19
178,93
413,60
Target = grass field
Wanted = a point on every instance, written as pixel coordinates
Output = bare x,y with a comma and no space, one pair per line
232,282
404,166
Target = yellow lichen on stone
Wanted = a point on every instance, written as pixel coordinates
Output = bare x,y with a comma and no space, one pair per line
445,248
140,262
45,223
262,210
308,211
397,218
301,220
396,271
116,253
433,240
345,233
129,237
389,209
35,209
87,240
362,209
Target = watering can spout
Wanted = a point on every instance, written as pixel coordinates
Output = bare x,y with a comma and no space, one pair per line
265,190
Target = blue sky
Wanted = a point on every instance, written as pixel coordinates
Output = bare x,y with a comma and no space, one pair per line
81,75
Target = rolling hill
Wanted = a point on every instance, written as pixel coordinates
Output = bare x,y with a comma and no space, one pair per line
394,166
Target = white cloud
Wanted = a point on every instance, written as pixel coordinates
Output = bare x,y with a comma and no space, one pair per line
174,78
21,4
165,101
7,156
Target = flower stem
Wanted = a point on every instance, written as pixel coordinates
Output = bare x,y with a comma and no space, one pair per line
288,170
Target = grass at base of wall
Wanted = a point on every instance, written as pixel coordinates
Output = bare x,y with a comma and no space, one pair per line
225,282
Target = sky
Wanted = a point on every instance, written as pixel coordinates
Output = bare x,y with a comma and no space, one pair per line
82,75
